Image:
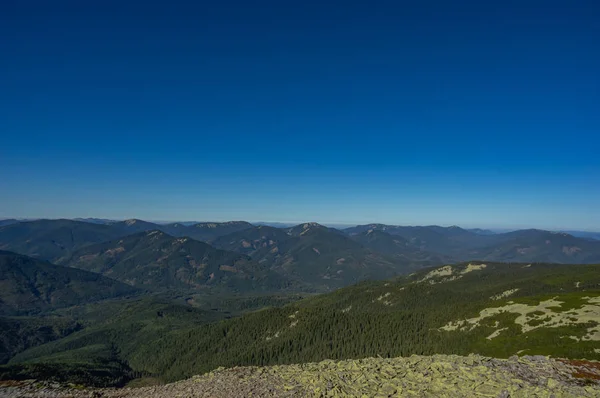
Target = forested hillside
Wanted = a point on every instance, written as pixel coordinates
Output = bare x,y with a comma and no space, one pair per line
55,239
310,253
157,261
52,239
19,333
185,306
488,308
28,286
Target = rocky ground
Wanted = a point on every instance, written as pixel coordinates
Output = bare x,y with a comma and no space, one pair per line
415,376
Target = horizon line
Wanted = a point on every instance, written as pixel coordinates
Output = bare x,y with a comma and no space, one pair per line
325,223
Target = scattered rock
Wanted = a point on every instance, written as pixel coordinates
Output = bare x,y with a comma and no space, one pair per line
433,376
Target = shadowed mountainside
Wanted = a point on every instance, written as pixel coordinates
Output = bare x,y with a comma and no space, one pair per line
30,285
52,239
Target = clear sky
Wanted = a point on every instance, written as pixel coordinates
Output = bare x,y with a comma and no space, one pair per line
476,113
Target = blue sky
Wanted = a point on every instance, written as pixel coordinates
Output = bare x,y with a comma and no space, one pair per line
476,114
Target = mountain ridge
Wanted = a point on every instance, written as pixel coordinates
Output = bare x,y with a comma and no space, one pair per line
521,245
30,285
313,253
158,261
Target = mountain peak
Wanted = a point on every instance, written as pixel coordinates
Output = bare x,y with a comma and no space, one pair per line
213,225
311,224
305,228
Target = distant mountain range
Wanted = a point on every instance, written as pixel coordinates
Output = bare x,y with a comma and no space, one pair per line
460,244
324,257
584,234
156,261
241,256
480,231
55,239
8,221
400,248
100,302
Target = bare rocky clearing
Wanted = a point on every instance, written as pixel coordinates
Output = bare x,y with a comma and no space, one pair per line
415,376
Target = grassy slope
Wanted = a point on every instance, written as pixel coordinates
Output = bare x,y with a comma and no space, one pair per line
395,318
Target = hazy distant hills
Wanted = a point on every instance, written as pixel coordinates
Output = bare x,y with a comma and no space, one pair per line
157,261
584,234
311,228
540,246
54,239
449,241
207,231
28,284
132,226
523,245
480,231
251,241
95,220
400,248
203,231
307,254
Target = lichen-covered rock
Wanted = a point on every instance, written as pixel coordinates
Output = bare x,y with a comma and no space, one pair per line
415,376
